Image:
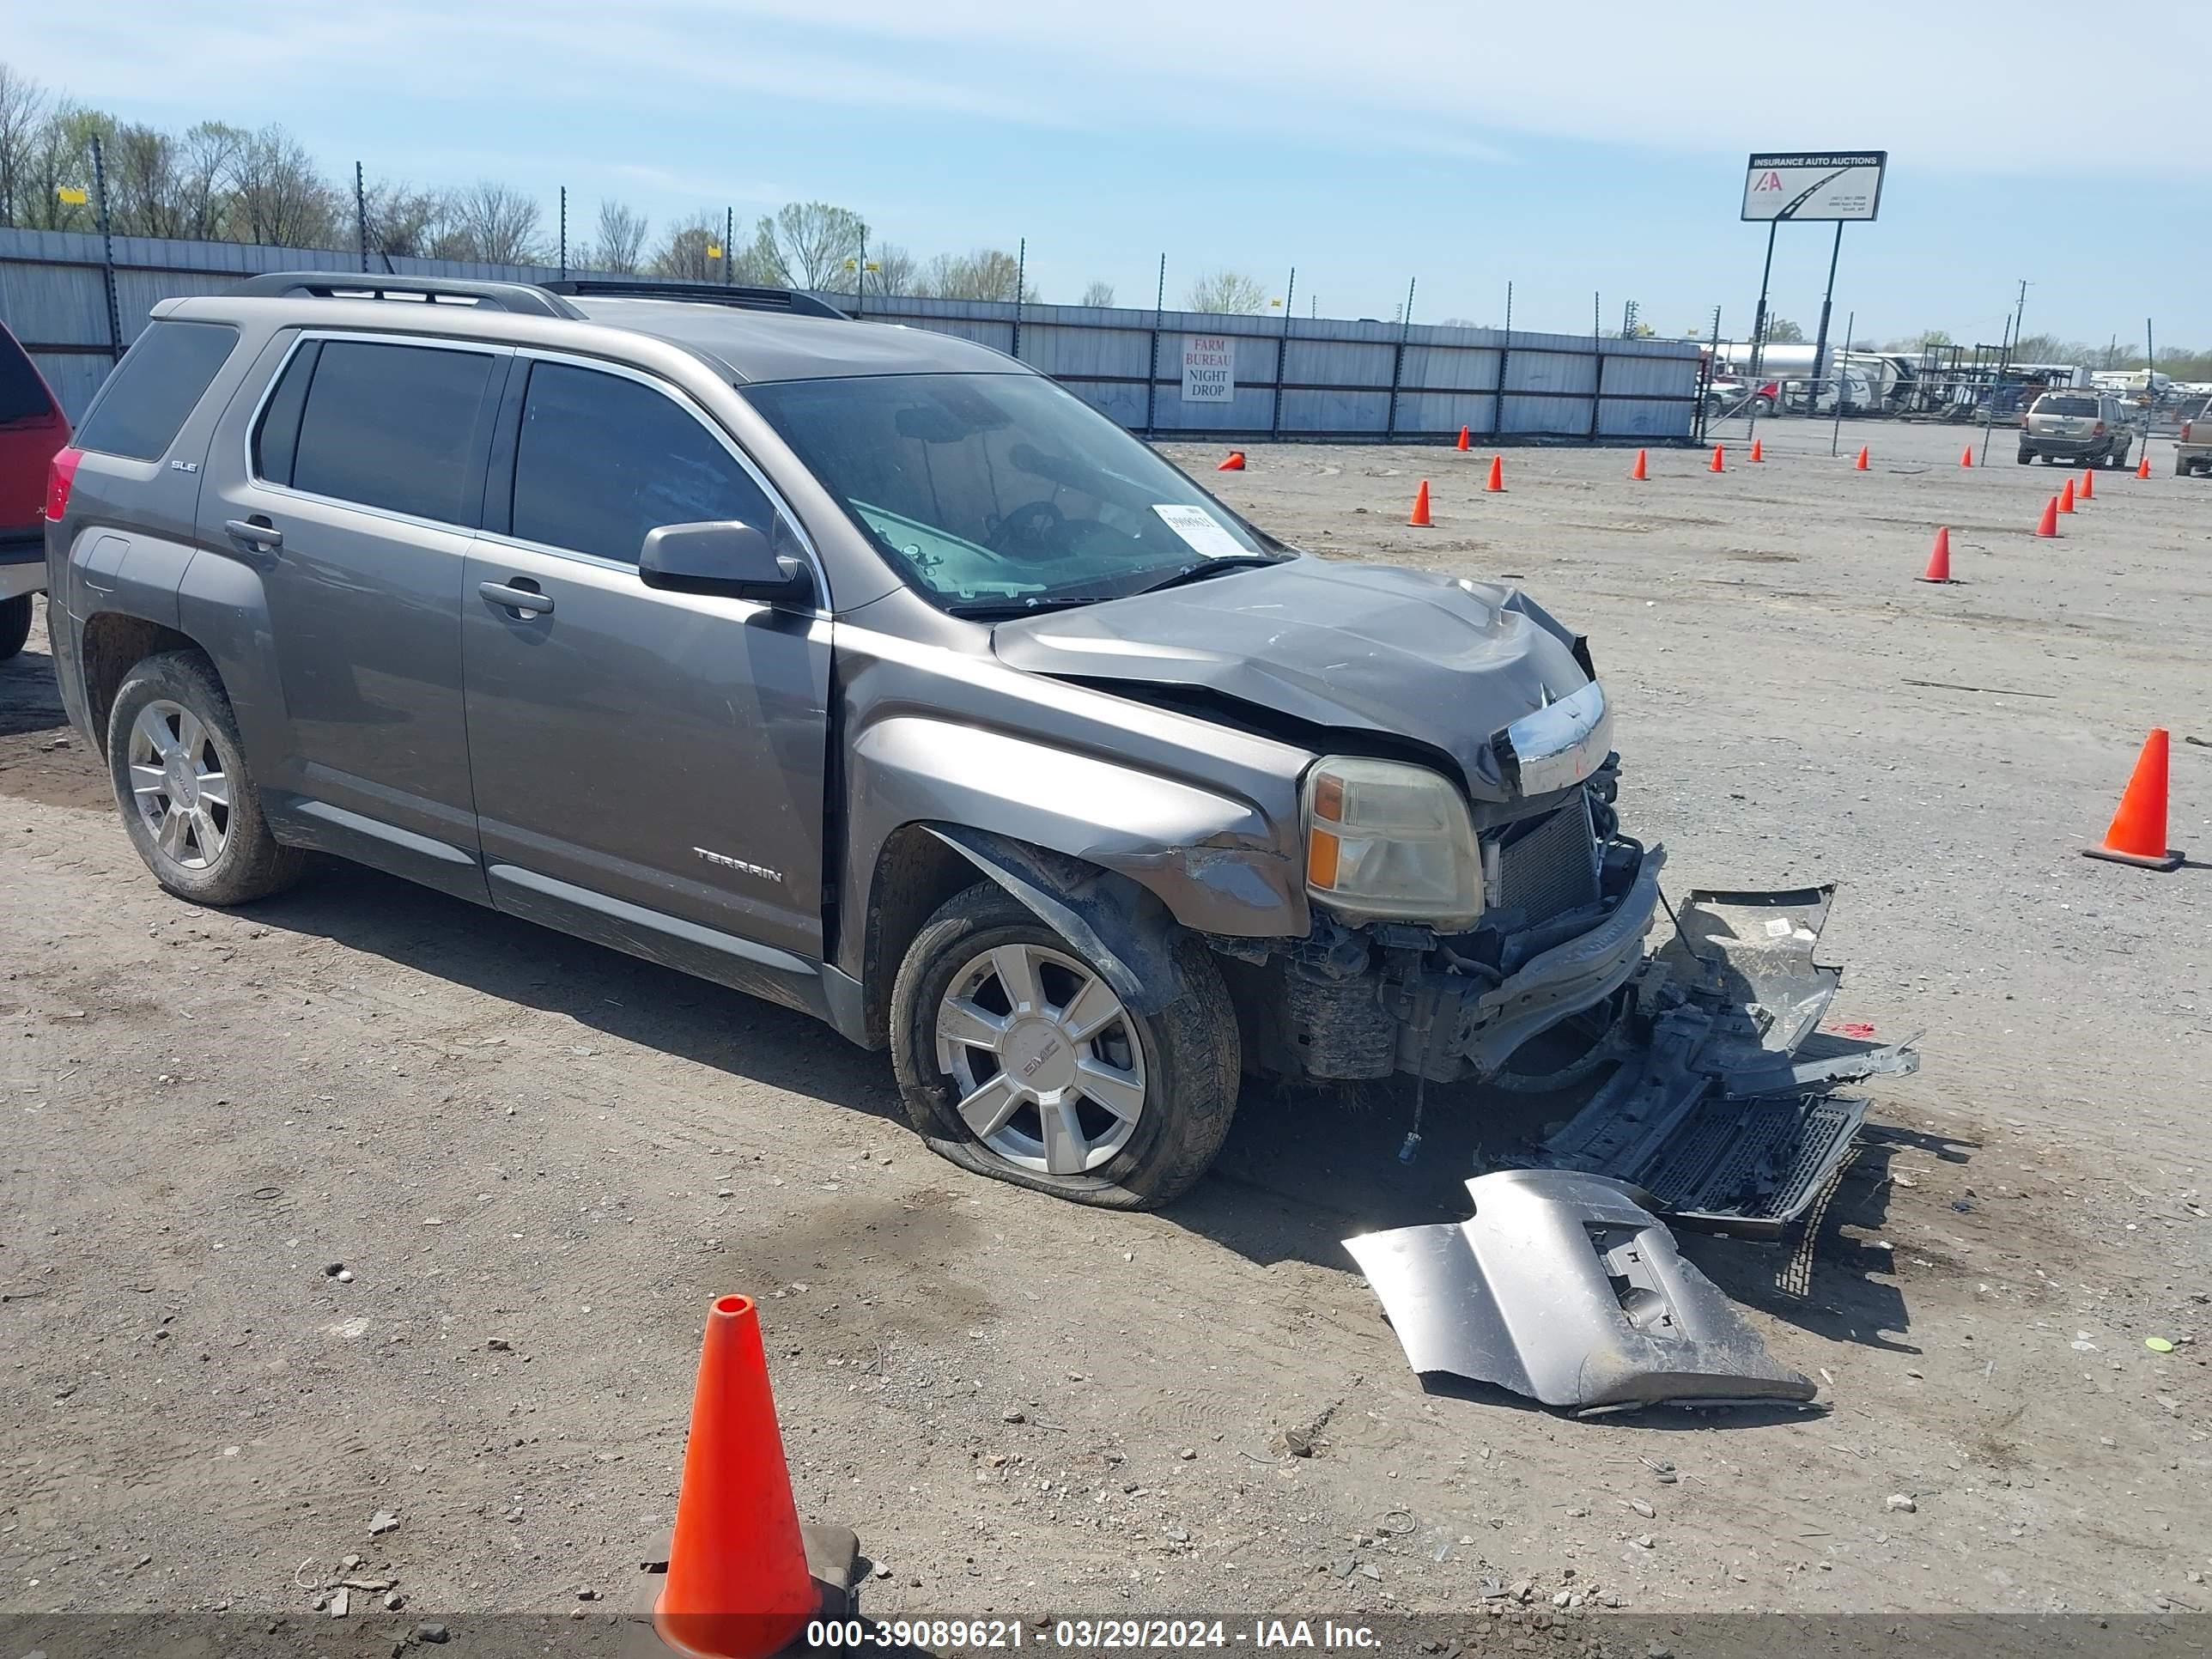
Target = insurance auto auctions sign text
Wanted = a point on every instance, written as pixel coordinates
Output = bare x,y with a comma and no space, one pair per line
1209,368
1840,185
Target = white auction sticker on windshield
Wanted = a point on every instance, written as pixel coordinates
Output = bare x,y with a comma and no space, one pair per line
1205,532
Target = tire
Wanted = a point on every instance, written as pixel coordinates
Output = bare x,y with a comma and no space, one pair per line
14,625
177,696
1188,1052
1761,407
2025,456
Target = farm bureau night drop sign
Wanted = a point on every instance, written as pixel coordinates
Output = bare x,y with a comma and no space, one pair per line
1209,368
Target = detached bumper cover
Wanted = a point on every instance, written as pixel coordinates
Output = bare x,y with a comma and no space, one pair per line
1561,1287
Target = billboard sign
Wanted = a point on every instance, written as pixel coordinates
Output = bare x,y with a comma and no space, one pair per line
1824,185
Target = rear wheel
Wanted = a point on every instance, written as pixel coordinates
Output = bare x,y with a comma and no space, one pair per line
181,784
14,625
1017,1059
2025,456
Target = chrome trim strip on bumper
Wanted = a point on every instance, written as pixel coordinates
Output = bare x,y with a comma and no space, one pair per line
1562,743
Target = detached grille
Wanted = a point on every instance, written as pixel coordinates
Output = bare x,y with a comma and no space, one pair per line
1549,866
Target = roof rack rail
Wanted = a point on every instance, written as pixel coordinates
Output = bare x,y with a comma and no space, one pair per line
518,297
790,301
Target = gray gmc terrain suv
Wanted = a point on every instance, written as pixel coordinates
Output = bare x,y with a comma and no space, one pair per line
867,671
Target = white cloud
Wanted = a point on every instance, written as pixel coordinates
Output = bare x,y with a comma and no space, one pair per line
1937,85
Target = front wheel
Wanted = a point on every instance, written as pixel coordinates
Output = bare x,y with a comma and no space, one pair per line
178,768
1016,1058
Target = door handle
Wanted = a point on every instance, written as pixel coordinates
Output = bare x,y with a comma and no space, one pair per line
527,600
255,532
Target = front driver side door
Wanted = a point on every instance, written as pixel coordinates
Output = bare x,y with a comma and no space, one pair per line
648,766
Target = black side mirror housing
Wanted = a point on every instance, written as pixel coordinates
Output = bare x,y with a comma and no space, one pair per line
726,556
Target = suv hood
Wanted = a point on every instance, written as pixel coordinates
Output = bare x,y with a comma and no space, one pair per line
1440,660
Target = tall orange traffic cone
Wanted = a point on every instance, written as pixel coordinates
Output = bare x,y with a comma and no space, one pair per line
2066,497
1640,471
2048,524
2143,467
1859,465
738,1584
1717,465
1420,518
1495,486
2088,485
1939,562
1234,464
1466,443
1966,456
2138,832
1758,449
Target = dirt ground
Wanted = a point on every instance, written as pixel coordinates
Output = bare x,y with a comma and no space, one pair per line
539,1160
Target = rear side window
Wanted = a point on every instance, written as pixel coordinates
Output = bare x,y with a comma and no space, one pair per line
23,393
389,426
602,459
145,403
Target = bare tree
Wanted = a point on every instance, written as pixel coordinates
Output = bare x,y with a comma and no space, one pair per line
805,243
1097,294
22,113
683,252
622,240
988,273
144,191
895,270
404,221
1230,293
207,165
58,158
283,200
495,223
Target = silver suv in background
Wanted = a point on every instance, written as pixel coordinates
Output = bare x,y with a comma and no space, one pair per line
867,671
2081,428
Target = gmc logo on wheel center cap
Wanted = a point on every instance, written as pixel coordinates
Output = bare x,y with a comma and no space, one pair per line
1043,1056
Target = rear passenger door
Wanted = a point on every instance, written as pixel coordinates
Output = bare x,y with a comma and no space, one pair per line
648,765
353,498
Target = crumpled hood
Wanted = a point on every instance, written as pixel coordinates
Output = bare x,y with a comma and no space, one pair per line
1438,659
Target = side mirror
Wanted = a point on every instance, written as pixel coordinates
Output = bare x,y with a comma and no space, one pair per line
726,556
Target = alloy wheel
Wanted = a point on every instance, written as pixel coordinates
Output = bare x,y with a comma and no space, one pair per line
178,783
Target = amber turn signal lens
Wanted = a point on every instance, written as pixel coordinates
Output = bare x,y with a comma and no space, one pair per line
1321,859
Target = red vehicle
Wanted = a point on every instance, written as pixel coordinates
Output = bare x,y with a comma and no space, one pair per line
32,427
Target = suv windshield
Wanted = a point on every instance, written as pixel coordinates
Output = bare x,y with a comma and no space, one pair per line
1000,492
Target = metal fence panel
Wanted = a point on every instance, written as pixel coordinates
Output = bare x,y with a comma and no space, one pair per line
1338,377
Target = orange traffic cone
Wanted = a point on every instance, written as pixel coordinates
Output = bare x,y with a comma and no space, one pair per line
1465,442
2143,467
1497,484
1640,471
1966,456
2088,485
1758,449
2066,497
738,1584
2138,832
1861,464
1717,465
1939,562
2048,524
1420,519
1234,464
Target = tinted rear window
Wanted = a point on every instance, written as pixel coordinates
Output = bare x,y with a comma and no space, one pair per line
603,459
23,393
2067,406
144,405
393,426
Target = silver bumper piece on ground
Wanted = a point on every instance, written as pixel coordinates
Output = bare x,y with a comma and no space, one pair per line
1561,1287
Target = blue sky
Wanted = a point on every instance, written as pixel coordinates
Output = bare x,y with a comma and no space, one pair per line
1568,148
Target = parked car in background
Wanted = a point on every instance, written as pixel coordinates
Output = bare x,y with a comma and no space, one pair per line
2087,428
32,427
2192,451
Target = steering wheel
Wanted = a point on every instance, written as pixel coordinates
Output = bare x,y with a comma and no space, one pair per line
1038,521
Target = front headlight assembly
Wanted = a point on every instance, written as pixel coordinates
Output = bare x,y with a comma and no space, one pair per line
1388,841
